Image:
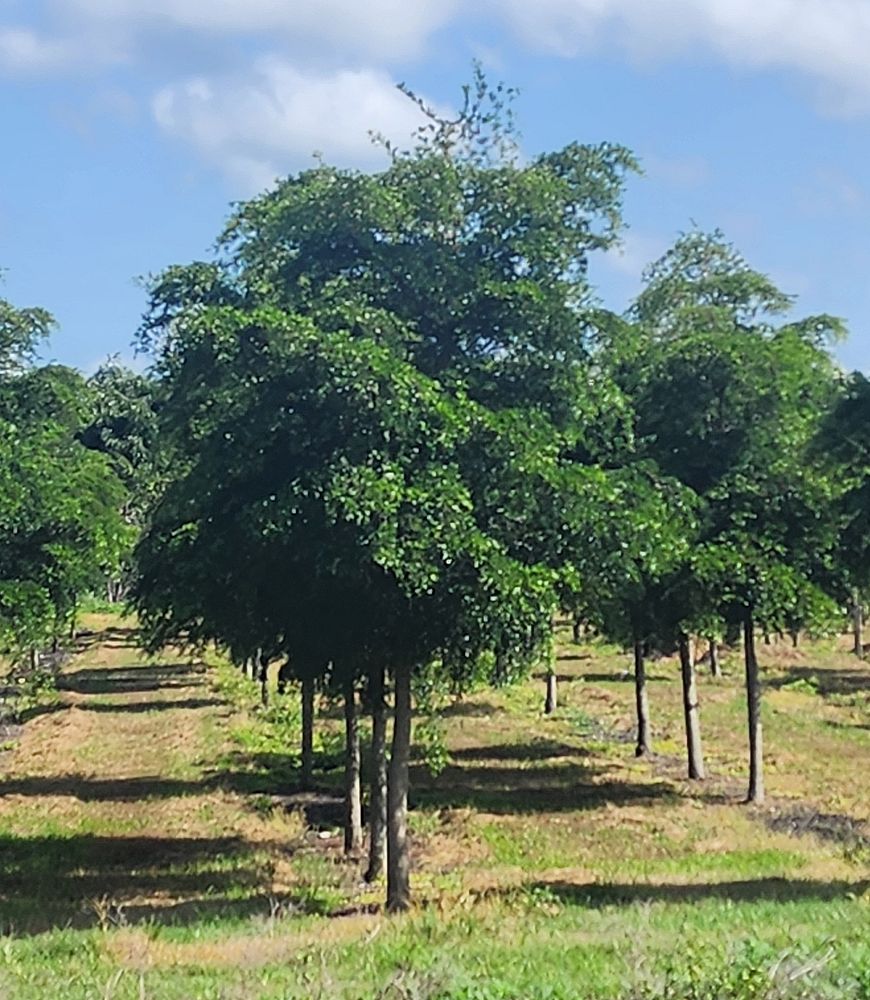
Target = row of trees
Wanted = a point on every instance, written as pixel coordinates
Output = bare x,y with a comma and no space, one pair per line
404,434
70,500
389,433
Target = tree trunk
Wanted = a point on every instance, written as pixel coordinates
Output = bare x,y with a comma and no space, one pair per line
263,677
753,704
352,795
307,731
398,859
690,710
644,743
378,792
857,626
715,665
577,630
551,699
795,637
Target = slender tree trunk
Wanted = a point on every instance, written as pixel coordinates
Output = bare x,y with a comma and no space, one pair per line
753,705
857,626
73,618
353,834
307,731
715,665
690,710
378,792
577,630
34,658
795,637
644,743
263,677
551,699
398,859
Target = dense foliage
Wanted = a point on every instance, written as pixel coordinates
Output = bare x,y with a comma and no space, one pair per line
388,428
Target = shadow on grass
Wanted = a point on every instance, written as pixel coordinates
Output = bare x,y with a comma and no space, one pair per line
149,706
778,890
555,788
826,682
469,710
536,750
141,677
619,677
88,881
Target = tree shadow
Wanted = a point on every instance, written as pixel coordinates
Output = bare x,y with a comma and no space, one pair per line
824,680
101,789
837,828
536,750
560,787
139,677
86,881
136,707
779,890
469,710
620,677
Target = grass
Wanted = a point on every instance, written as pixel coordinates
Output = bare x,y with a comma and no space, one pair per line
148,851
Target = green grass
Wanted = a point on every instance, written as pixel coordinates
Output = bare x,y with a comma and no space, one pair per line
549,863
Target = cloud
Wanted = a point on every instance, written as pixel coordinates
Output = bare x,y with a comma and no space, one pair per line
384,28
273,121
830,193
826,39
634,253
678,171
24,51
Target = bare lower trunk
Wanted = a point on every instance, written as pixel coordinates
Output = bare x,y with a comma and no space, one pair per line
263,678
307,731
551,699
398,859
378,792
690,711
715,665
352,796
284,675
857,627
644,744
795,637
753,705
577,630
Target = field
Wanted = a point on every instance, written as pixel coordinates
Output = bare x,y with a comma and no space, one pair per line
152,844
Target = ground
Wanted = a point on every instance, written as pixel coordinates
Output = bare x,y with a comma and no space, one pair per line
152,844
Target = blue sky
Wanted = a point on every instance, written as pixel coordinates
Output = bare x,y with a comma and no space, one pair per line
128,126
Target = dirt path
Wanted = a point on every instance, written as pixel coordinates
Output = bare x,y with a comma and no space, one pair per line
112,805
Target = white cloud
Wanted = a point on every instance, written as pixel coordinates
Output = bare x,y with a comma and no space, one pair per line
386,28
24,51
634,253
831,193
258,127
826,39
677,171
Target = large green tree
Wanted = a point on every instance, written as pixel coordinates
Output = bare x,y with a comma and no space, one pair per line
728,398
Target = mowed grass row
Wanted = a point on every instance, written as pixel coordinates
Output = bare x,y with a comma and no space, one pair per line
151,844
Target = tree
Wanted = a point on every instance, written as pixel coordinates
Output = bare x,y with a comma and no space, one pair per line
751,395
334,382
843,446
59,530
